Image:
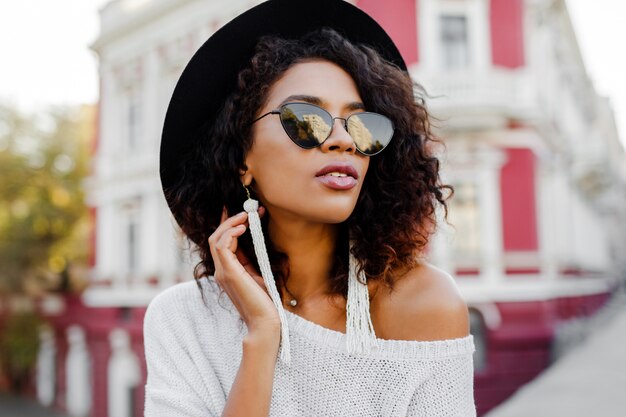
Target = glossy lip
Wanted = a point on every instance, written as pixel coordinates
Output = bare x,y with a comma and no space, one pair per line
342,167
335,183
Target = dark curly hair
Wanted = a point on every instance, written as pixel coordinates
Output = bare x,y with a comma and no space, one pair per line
396,210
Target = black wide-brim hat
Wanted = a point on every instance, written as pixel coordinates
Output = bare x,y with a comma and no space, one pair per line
211,74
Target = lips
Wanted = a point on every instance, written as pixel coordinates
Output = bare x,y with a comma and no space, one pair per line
338,176
338,168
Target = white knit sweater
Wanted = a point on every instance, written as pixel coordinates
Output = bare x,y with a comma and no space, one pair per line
193,352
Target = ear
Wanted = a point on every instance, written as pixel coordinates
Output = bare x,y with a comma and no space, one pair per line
246,177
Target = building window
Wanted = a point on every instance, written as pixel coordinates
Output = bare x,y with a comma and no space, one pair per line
130,237
133,119
453,35
465,217
132,246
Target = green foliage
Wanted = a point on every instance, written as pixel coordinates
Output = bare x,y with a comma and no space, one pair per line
19,344
43,161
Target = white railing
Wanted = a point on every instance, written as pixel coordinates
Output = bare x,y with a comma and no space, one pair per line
497,91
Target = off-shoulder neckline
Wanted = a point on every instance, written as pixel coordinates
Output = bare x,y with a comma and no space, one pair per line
388,348
385,348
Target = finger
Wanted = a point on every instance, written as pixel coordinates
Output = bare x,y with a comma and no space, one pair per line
227,243
245,262
246,223
230,222
238,279
224,215
241,282
241,256
218,234
260,210
225,258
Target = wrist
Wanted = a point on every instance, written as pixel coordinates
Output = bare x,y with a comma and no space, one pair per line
263,338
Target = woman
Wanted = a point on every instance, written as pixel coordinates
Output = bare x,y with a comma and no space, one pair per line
316,299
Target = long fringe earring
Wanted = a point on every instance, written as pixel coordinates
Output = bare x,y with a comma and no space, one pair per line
251,206
360,335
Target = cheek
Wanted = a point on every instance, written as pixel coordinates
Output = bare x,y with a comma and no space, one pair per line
279,180
278,170
365,166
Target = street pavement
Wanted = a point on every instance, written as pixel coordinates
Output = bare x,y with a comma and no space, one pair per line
589,380
21,407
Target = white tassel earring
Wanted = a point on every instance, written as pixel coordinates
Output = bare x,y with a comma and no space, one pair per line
360,336
251,206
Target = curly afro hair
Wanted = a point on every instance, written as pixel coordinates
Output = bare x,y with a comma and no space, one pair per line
396,210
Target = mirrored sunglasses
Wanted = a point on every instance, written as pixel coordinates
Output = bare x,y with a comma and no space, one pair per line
309,125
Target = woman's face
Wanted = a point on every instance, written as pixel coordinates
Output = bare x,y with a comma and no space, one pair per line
286,177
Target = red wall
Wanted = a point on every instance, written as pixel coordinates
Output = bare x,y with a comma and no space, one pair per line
507,33
517,185
399,19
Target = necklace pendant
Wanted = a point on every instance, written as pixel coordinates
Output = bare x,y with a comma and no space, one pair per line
293,303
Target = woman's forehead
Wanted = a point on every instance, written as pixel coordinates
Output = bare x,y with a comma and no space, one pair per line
319,101
318,82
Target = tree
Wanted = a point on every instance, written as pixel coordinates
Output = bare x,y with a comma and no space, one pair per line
43,217
19,343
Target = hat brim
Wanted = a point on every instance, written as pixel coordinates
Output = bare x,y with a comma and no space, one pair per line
210,76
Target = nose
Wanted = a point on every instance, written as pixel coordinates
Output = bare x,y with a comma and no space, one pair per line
339,138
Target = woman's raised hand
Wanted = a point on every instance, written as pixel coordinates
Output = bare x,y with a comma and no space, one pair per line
240,279
251,391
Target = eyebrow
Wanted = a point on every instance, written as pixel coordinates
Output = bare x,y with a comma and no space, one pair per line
355,105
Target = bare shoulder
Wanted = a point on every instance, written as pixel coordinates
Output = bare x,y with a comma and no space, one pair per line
425,304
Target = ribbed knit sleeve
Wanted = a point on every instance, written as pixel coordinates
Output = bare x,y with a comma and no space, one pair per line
448,391
177,382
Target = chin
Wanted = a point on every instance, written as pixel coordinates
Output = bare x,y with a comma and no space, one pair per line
335,219
317,208
334,214
320,213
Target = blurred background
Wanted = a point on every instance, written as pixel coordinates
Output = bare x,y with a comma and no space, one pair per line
530,97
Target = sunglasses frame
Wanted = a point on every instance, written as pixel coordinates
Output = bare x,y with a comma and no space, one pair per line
345,125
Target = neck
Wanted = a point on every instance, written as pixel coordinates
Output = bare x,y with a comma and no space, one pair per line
310,248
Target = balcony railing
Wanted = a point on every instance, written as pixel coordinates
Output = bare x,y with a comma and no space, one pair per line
503,93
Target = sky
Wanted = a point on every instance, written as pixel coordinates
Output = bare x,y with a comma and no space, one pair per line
46,60
44,52
601,31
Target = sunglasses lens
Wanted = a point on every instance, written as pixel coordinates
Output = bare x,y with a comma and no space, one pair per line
371,132
307,125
